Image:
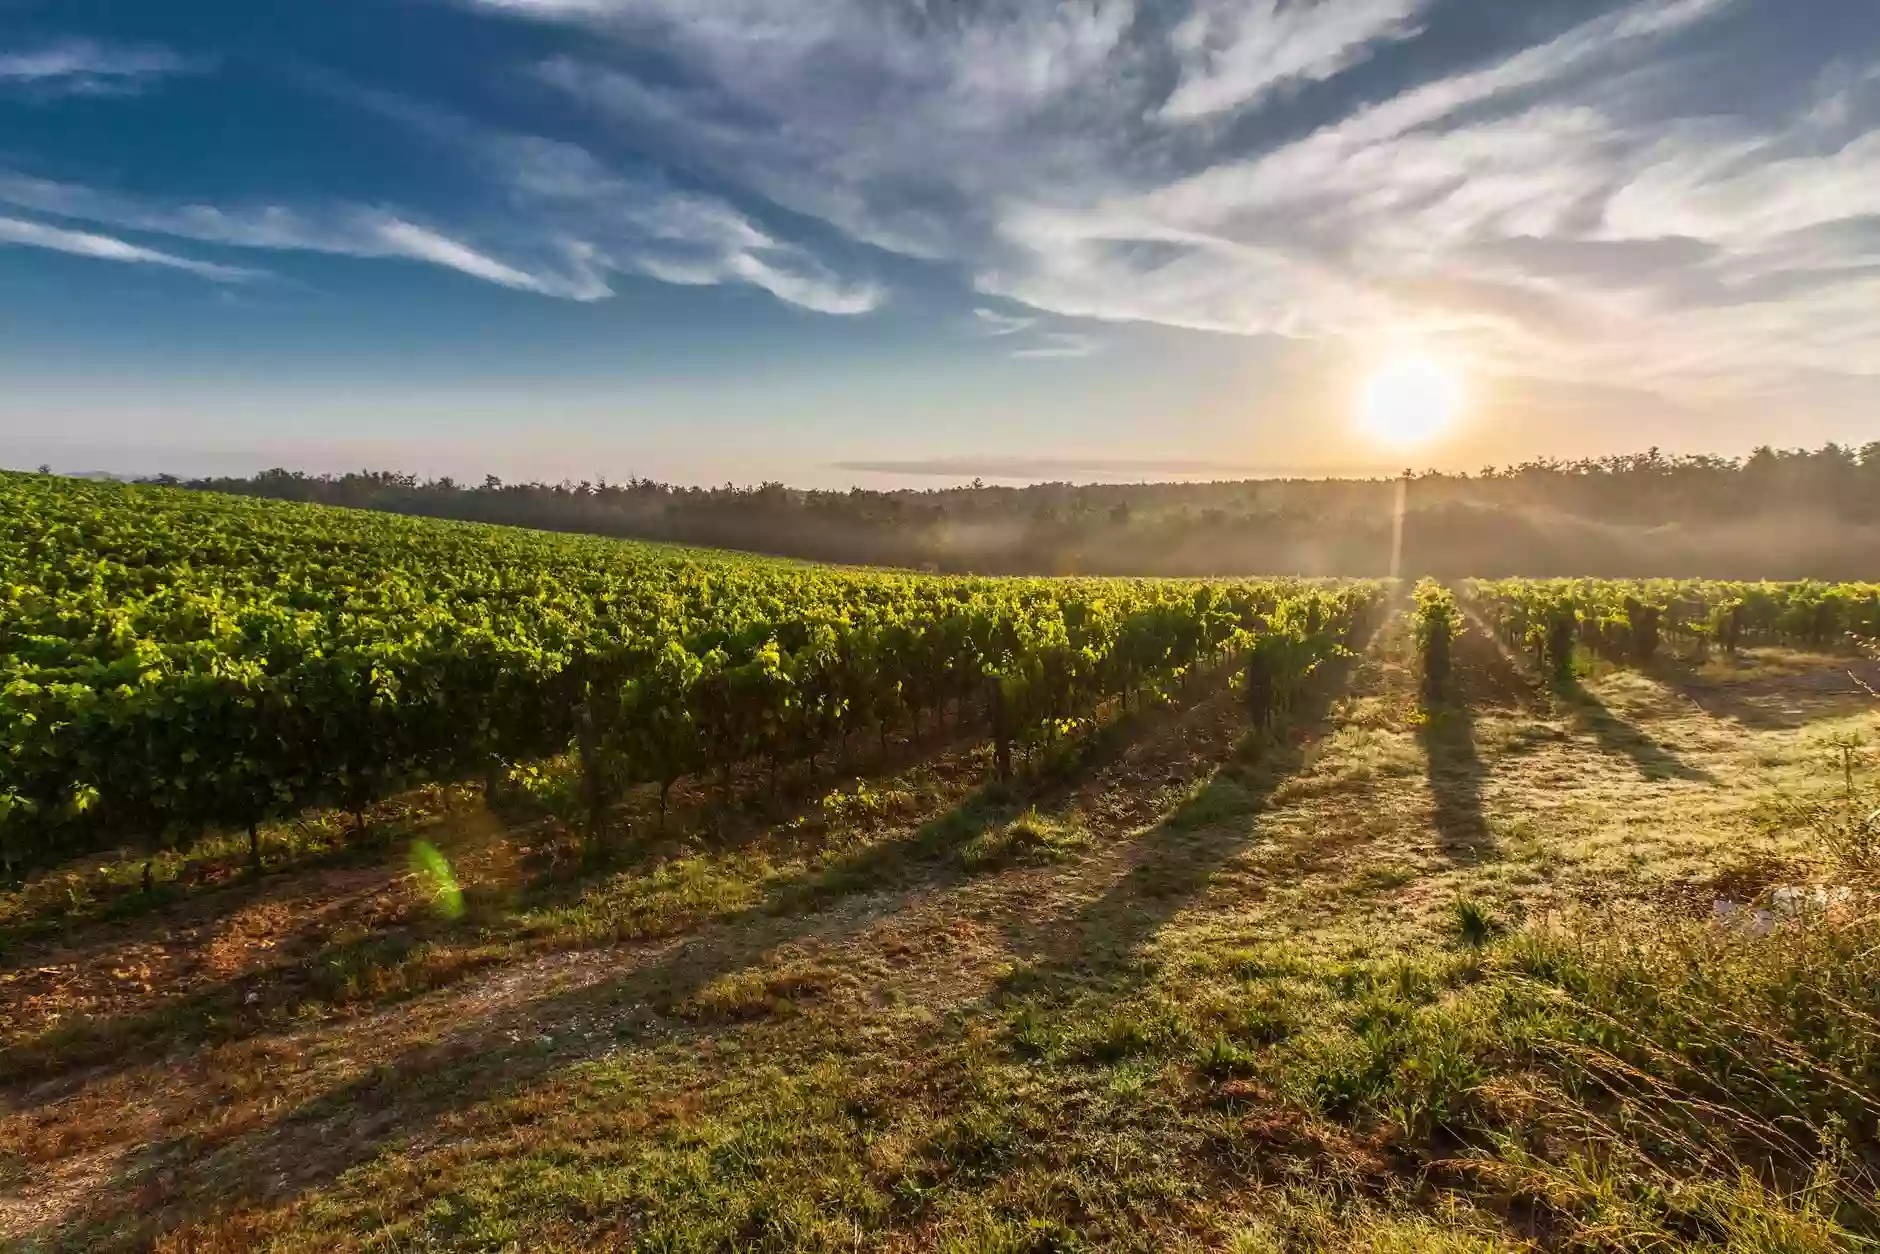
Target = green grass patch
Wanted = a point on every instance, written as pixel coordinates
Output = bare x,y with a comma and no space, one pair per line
1031,839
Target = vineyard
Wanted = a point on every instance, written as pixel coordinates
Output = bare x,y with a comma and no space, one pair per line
176,663
600,894
1625,621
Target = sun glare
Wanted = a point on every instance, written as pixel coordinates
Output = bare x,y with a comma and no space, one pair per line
1410,400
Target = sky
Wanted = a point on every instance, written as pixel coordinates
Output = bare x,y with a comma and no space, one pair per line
911,242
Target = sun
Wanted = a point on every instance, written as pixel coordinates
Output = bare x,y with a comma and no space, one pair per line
1410,400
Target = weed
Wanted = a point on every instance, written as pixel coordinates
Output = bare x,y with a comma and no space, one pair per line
1223,1058
1030,839
1034,1034
1847,829
1221,799
865,803
1473,922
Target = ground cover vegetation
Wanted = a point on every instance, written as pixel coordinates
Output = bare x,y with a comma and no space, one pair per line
1501,916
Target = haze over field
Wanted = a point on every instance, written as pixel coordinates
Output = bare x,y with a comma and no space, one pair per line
835,241
1790,515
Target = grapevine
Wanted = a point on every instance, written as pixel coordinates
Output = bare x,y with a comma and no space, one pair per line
173,662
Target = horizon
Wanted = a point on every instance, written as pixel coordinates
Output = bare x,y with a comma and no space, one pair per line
862,245
962,474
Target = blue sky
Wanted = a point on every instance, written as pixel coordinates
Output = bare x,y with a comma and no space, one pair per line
835,241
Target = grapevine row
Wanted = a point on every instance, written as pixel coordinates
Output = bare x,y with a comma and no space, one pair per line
172,663
1626,621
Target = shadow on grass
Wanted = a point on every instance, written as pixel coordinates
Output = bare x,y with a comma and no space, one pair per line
1456,774
380,969
481,1060
214,879
1179,856
1772,702
1049,786
365,972
507,1051
1617,736
214,884
1487,675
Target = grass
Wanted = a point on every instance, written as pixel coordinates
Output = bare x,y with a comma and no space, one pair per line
1030,839
1475,923
1400,981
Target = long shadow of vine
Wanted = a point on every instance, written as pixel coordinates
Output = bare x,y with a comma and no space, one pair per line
261,1002
1618,736
506,1053
1176,859
1456,775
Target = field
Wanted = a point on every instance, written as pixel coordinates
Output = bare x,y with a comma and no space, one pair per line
903,912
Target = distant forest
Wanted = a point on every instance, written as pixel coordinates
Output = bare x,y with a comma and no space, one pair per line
1775,514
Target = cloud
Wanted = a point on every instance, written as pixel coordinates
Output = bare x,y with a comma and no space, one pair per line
1059,344
643,226
1745,191
797,288
18,231
594,221
344,230
1029,341
995,323
80,67
1234,53
1584,203
403,239
588,225
1489,208
894,122
1582,189
562,222
1051,152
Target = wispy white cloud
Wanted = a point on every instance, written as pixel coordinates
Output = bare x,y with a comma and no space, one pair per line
1059,344
1028,338
1234,53
795,287
27,234
992,322
404,239
82,67
554,221
901,124
1568,204
1537,213
348,231
1010,139
1745,190
1289,172
639,226
673,238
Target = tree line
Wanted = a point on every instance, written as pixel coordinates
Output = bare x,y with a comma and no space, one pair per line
1775,514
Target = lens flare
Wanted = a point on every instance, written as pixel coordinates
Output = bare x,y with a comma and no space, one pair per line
439,882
